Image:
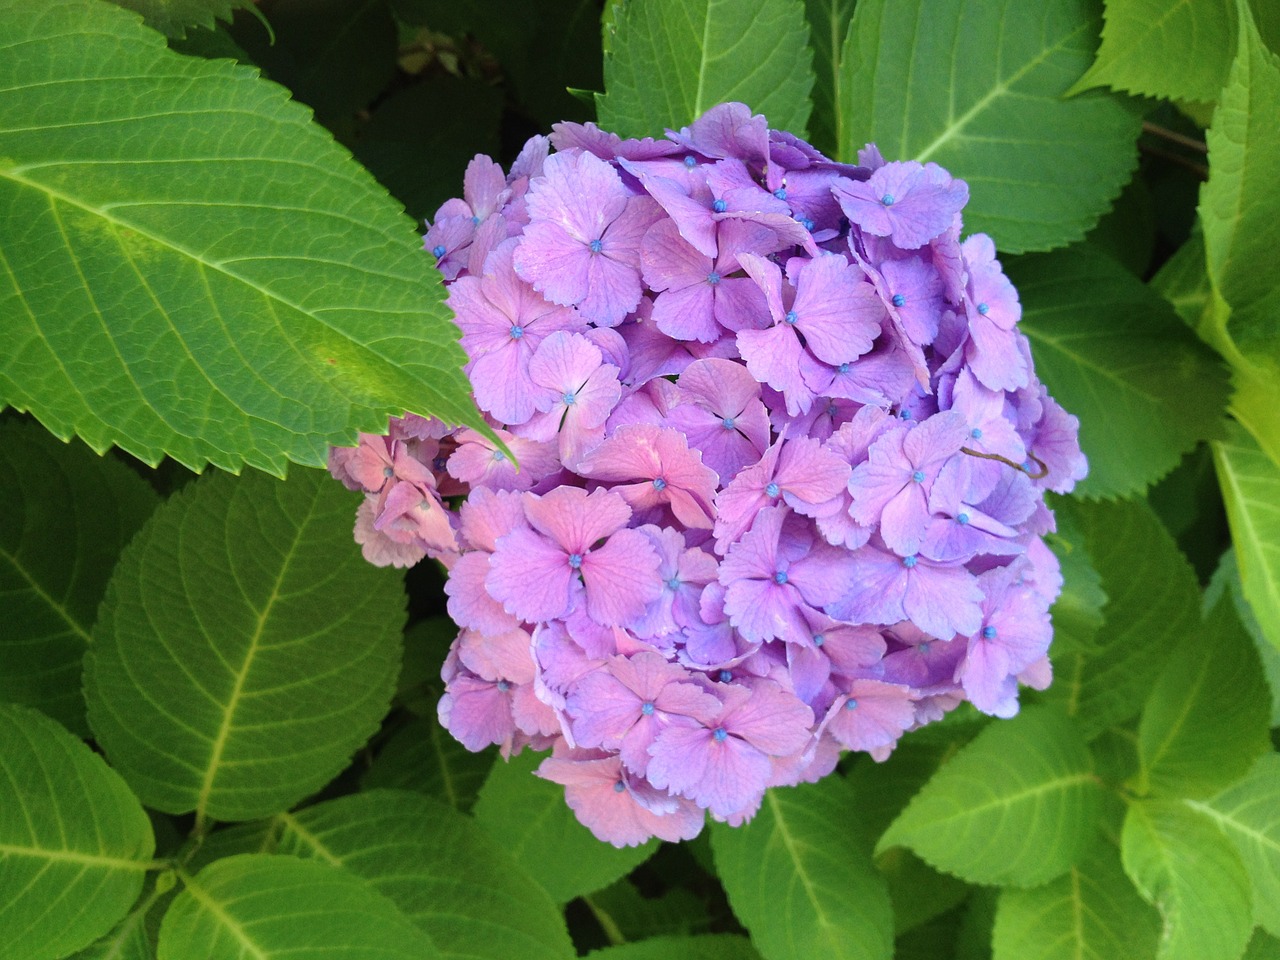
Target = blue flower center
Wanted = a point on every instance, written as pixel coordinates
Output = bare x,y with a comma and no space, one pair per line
806,223
791,317
595,246
673,584
772,490
781,193
719,206
727,423
646,708
909,562
720,734
819,639
843,368
499,456
713,278
388,472
439,463
516,331
659,484
475,220
438,251
619,787
904,414
780,577
725,676
831,407
887,200
503,686
976,433
983,309
989,633
851,704
570,398
962,519
575,560
922,649
918,476
690,161
899,300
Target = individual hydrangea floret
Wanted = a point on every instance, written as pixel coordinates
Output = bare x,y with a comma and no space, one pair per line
782,457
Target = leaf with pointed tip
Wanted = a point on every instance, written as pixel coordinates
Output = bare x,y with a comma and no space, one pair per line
1018,806
174,17
828,25
529,818
1113,353
216,280
672,60
68,515
74,842
802,888
444,873
1183,865
244,649
978,88
271,908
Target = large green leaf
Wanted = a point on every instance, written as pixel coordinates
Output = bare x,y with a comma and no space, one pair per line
173,17
1262,947
716,946
828,25
1091,912
67,515
424,757
1166,49
529,817
1250,483
190,266
1206,720
671,60
1183,280
262,907
1152,603
1249,813
1240,212
799,878
1180,862
1114,353
1018,806
978,88
245,649
128,939
443,872
74,842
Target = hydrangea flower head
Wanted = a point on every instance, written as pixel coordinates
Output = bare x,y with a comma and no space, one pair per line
782,457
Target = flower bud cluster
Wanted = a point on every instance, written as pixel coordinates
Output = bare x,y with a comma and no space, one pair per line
782,457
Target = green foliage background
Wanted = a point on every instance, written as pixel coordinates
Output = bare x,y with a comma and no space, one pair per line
206,261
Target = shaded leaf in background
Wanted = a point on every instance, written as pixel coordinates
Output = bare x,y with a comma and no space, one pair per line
67,515
74,842
828,24
1152,603
245,648
1227,579
269,908
1262,947
1077,612
917,891
1127,232
1183,865
529,818
216,281
174,17
443,872
977,87
1205,722
1114,354
711,946
1184,281
128,940
883,789
1250,483
424,757
1018,806
1166,49
799,878
676,912
1091,912
935,940
1249,813
1188,502
671,60
1240,212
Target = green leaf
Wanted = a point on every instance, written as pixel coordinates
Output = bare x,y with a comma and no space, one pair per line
1184,281
298,312
978,88
1240,213
74,842
1262,947
128,940
676,912
1018,806
1249,813
1165,49
444,873
671,60
1152,604
799,878
1250,483
1090,913
67,515
1113,353
1181,863
529,818
1077,613
917,891
1205,722
1226,578
712,946
268,908
828,25
424,757
173,17
245,649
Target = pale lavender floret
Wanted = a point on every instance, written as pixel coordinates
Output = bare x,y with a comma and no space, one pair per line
871,714
720,411
912,291
448,240
909,203
684,571
579,391
478,462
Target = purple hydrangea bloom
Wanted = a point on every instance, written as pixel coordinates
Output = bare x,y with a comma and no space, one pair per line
780,459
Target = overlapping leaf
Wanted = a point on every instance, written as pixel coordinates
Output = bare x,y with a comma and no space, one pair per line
67,515
174,17
245,648
528,817
1181,863
671,60
1017,806
803,886
74,842
1114,354
828,25
444,873
190,266
424,757
268,908
978,88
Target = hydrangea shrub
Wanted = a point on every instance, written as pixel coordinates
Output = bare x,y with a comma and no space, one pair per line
782,456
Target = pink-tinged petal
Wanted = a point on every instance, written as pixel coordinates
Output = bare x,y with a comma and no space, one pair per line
994,356
603,710
722,386
487,515
476,712
484,186
621,578
505,656
576,519
762,610
688,313
670,263
470,604
555,263
478,463
378,548
905,519
809,669
691,217
774,357
533,717
562,364
837,311
876,595
770,719
740,305
872,714
768,276
613,290
943,601
531,577
580,192
733,779
810,473
822,576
